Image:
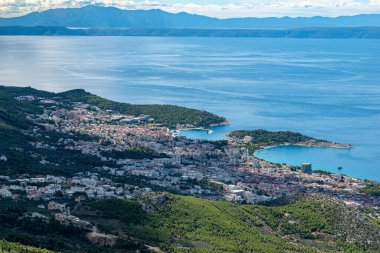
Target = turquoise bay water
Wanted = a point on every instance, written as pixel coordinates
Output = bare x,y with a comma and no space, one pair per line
332,158
328,89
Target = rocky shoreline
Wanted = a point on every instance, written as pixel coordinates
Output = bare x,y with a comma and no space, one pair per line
323,144
263,139
205,129
224,123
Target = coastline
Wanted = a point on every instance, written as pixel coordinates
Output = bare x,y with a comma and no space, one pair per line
204,129
311,142
323,144
224,123
311,145
318,170
314,143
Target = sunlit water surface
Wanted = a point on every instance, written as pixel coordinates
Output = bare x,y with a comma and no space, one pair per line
327,89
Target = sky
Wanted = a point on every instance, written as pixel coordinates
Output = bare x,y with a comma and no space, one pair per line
214,8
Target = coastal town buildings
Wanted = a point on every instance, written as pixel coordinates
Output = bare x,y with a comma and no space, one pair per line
201,168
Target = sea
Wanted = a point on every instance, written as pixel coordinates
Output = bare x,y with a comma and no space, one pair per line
324,88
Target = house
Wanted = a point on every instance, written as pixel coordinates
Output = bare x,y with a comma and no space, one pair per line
5,193
306,168
56,206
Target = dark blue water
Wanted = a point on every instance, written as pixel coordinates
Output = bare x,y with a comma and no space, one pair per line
328,89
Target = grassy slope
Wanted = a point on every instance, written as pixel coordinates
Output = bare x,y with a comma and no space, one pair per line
8,247
189,224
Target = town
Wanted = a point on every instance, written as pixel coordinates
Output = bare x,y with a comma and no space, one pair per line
141,157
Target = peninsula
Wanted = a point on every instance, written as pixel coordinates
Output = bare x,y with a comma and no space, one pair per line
258,139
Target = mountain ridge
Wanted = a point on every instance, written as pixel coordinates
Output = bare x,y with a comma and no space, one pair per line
110,17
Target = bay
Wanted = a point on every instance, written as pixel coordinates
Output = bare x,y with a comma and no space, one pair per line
325,88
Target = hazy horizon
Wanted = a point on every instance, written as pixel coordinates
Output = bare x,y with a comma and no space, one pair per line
286,16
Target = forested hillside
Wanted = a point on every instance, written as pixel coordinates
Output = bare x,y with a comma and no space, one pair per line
169,115
189,224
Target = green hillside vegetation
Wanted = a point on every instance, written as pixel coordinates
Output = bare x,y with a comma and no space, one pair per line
9,247
12,122
372,189
264,137
12,112
41,233
190,224
168,115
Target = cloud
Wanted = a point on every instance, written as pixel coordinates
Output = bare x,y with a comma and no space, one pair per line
221,8
374,2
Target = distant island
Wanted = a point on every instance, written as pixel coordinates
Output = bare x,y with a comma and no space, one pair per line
321,32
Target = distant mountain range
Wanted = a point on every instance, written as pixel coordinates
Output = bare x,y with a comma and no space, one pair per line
109,17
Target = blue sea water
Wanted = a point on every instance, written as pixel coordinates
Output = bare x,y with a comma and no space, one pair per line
325,88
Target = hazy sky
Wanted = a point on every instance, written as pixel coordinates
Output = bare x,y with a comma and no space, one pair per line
216,8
